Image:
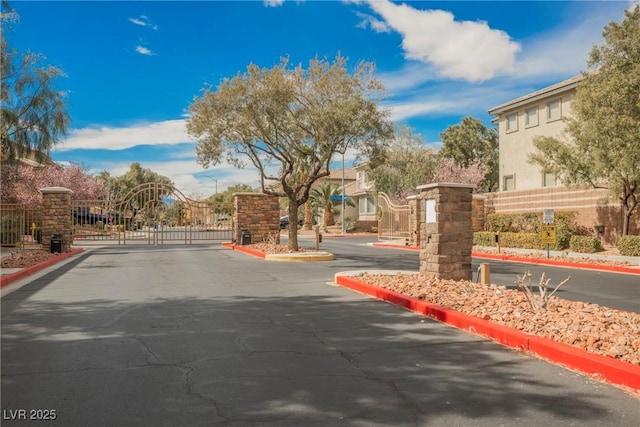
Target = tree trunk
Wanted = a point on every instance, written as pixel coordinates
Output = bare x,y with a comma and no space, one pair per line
307,215
293,225
629,203
328,217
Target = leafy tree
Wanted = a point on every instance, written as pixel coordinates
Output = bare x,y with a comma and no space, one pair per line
226,196
21,183
121,190
601,143
33,113
324,197
471,141
289,122
408,164
121,186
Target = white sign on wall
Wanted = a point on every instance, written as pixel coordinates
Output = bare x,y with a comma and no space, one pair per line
430,210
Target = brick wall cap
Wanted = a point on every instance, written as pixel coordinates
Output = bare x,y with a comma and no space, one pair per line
414,197
250,194
445,184
53,190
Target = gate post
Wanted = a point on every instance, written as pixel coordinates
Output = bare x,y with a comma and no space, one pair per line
259,213
414,220
447,231
57,216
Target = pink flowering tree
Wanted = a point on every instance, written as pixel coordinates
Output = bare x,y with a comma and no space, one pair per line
449,171
21,183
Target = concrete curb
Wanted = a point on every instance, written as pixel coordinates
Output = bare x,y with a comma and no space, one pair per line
300,257
8,279
540,261
596,366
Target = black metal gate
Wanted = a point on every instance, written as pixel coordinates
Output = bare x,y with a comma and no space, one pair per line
153,214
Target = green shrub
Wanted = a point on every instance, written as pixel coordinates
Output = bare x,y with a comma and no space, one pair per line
629,245
10,230
511,240
37,234
530,222
484,238
585,244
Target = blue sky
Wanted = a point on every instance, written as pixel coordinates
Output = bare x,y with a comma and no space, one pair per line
134,67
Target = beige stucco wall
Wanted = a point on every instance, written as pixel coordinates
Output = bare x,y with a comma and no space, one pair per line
515,146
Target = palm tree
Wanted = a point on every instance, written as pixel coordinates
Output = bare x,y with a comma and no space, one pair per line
326,197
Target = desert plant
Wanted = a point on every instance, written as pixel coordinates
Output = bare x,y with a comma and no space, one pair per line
538,302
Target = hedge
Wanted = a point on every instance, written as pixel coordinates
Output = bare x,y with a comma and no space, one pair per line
629,245
585,244
529,223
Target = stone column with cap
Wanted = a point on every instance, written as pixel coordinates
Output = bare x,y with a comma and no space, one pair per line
57,216
446,232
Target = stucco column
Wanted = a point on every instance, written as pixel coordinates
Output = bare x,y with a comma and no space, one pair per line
446,231
57,216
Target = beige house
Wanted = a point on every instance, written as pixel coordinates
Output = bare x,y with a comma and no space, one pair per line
523,185
539,113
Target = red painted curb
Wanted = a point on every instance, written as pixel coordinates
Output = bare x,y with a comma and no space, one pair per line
28,271
599,267
405,247
502,257
244,249
599,367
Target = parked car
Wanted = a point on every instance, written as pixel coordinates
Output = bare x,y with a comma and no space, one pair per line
83,215
284,222
223,221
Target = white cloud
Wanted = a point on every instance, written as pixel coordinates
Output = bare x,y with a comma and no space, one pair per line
465,50
143,21
144,51
273,3
108,138
376,25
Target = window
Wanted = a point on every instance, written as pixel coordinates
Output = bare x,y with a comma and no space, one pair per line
512,122
366,205
508,182
548,179
531,117
361,181
554,110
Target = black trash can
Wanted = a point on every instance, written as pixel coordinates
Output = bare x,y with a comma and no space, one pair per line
56,243
245,237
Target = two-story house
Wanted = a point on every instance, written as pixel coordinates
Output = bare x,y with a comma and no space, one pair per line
524,186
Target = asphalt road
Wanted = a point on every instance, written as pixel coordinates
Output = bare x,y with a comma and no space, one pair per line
614,290
205,336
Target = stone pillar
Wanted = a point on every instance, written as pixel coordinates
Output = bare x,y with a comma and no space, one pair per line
259,213
446,231
57,216
414,220
477,212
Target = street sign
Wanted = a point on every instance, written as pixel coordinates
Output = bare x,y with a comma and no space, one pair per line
547,216
548,234
339,198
